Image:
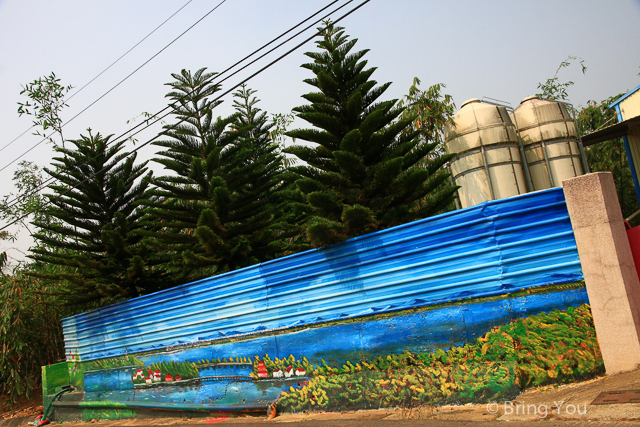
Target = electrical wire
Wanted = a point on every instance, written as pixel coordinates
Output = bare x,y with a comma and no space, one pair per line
172,105
105,70
216,99
118,84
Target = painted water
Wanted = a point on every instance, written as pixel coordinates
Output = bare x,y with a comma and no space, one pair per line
201,391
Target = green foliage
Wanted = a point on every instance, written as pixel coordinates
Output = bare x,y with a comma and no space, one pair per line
553,88
214,213
92,238
114,362
282,364
28,201
95,414
403,386
541,349
279,125
186,370
30,333
431,111
609,156
47,102
360,173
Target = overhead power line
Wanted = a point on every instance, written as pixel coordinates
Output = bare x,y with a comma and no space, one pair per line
106,69
172,105
319,32
117,84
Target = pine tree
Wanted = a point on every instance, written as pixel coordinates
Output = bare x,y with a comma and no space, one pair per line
256,179
360,175
92,238
213,213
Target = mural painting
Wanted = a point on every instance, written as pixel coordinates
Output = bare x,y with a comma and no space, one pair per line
422,365
468,306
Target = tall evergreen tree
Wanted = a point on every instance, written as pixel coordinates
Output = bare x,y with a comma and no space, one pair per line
255,179
95,215
213,213
360,174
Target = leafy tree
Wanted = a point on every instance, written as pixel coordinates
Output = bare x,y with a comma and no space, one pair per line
359,174
30,333
28,201
609,155
216,208
605,156
93,240
553,88
47,102
431,111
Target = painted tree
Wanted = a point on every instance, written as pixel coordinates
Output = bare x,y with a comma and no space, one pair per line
91,239
359,174
213,213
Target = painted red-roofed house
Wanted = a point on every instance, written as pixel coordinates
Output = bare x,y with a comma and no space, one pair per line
300,372
262,370
147,380
288,372
178,378
277,373
168,378
157,376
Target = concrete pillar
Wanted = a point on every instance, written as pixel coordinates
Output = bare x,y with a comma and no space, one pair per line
607,263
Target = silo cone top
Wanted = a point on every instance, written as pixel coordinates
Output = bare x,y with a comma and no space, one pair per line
529,98
469,101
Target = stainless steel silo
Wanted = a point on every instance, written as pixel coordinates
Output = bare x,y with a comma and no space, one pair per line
550,140
488,165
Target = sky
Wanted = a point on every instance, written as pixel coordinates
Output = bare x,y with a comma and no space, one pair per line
491,48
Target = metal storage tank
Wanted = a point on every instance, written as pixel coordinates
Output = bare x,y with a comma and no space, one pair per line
550,141
488,165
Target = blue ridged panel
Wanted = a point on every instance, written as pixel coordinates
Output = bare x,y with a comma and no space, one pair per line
488,249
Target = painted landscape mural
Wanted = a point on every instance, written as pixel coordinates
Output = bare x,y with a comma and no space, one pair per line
406,365
470,306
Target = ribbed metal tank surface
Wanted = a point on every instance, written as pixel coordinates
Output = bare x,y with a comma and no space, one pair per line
488,164
550,141
489,249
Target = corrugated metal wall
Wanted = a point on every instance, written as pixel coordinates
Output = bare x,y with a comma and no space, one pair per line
488,249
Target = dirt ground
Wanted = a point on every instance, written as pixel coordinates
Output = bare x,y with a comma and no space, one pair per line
23,407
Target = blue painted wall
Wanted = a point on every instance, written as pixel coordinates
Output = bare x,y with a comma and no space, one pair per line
489,249
363,339
420,332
